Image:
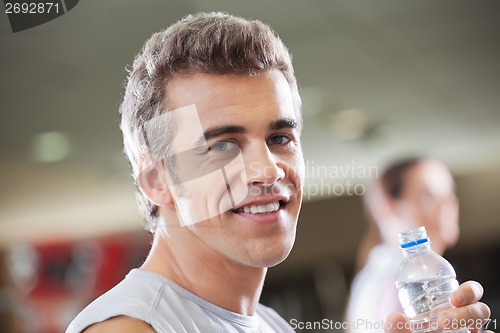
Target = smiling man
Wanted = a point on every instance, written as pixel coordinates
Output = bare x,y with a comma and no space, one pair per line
211,123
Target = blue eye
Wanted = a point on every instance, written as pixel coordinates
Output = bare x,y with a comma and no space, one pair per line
279,140
223,146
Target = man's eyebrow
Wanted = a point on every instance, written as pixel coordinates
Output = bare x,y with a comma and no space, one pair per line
285,123
218,131
232,129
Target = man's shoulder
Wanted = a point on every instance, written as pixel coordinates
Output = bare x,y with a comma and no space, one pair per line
123,308
120,324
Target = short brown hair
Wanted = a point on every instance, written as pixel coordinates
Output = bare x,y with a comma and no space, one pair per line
205,43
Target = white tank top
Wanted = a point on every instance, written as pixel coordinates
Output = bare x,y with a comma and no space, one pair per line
168,307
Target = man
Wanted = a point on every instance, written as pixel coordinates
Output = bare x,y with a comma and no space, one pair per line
211,122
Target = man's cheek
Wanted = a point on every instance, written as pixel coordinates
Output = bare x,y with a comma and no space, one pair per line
236,180
212,194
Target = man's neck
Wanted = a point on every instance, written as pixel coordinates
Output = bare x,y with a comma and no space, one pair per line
206,273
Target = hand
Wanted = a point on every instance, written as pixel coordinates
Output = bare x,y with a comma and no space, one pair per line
467,310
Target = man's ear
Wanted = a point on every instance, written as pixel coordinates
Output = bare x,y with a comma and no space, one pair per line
152,180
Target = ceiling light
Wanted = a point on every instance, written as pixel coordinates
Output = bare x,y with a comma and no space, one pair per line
50,147
349,124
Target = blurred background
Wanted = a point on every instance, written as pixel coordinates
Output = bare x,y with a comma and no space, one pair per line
379,80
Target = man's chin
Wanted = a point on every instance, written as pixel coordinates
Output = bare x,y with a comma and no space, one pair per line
271,259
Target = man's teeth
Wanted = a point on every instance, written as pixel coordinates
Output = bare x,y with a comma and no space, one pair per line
261,209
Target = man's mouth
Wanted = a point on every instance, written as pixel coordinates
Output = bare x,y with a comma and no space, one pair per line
261,208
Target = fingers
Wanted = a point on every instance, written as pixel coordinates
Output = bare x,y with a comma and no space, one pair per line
473,316
397,323
468,312
467,293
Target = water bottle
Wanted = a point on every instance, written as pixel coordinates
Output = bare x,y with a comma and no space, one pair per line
424,282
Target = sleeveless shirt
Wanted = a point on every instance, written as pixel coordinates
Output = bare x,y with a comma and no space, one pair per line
168,307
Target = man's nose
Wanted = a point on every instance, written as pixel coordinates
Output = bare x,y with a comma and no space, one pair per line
263,167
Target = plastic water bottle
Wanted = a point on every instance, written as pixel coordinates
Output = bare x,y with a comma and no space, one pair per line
424,282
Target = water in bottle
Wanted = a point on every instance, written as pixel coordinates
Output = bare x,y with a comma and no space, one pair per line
424,282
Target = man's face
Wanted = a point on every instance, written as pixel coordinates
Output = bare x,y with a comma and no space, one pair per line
240,170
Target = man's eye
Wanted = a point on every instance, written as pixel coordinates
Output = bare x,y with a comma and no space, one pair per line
279,140
223,146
